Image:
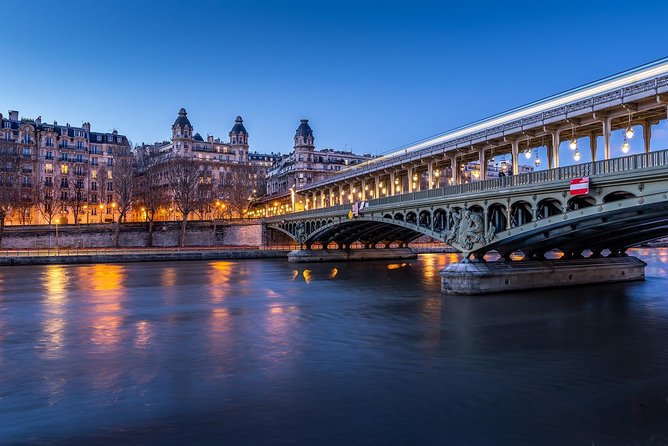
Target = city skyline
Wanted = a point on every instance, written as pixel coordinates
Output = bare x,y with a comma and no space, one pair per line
376,85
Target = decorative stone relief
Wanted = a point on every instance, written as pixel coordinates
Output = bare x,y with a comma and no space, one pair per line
468,230
301,232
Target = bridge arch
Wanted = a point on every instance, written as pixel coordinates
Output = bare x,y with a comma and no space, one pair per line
424,219
521,212
439,220
617,195
580,202
498,216
548,207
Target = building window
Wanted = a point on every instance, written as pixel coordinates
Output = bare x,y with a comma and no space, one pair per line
80,145
64,169
49,141
48,168
93,185
93,174
110,161
110,186
93,161
48,181
49,155
27,152
63,182
63,195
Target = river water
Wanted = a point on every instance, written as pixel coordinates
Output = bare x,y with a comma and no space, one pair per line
266,352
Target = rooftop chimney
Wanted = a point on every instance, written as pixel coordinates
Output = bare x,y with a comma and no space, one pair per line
13,115
86,126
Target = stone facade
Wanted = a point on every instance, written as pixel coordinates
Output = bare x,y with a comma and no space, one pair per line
55,165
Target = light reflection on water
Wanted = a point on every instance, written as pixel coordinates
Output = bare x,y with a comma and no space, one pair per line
264,352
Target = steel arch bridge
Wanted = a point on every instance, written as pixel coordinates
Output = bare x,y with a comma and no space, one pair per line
627,204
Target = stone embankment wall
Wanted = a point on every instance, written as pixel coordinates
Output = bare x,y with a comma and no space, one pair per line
134,235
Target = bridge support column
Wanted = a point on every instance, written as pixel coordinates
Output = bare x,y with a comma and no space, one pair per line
454,170
391,188
376,187
410,179
430,175
483,164
606,138
515,150
554,161
593,146
647,134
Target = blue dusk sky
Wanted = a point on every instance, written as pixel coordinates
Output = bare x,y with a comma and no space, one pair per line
369,75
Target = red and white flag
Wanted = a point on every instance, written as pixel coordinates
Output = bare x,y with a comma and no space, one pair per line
580,186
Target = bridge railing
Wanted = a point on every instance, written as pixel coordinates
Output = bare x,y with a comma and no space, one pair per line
614,165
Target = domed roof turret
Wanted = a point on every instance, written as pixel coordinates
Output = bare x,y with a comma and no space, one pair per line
198,137
182,120
239,127
304,129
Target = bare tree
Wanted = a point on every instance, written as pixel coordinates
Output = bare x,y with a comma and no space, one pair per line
238,186
48,200
102,180
77,195
10,164
123,184
185,178
151,194
25,202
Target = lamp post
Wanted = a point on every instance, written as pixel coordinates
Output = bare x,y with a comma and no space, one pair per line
101,209
85,208
113,210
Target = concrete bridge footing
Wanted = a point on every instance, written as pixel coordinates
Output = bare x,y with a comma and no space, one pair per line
495,277
332,255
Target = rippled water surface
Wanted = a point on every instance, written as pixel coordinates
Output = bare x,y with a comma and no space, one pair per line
265,352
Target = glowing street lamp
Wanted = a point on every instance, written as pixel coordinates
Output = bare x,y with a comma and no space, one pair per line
629,133
625,146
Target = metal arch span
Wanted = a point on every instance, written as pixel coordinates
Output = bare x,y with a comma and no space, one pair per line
369,230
